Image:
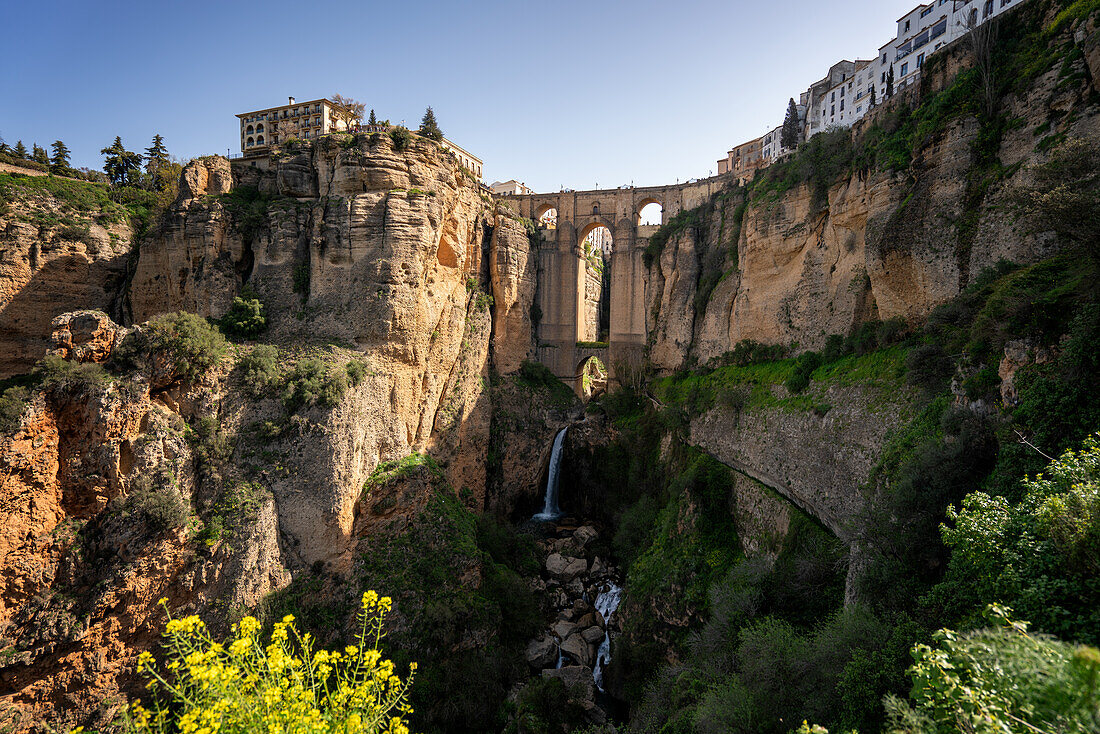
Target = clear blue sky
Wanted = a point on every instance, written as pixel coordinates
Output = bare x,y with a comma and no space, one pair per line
555,94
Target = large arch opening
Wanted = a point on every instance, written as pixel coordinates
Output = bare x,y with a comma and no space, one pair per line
596,246
548,216
650,212
591,377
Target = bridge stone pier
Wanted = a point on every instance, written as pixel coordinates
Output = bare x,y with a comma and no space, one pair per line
562,269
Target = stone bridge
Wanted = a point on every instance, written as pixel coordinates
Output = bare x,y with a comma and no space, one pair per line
563,272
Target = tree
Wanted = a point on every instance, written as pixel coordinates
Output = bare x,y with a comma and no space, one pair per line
38,155
20,150
981,38
873,100
1065,196
890,82
429,128
789,137
372,120
157,163
347,110
60,161
120,164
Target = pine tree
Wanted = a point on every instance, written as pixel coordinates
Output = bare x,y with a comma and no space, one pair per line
788,138
157,163
60,161
873,100
120,164
372,120
38,155
4,147
20,150
429,128
890,82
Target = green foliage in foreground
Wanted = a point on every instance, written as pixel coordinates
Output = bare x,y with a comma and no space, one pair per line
999,680
244,685
1040,555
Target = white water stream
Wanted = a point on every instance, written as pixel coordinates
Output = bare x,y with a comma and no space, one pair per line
606,604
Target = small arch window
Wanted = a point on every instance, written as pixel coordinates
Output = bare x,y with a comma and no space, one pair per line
249,130
595,209
260,128
260,140
251,141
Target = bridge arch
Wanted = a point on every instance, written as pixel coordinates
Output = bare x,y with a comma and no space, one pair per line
547,214
648,203
592,373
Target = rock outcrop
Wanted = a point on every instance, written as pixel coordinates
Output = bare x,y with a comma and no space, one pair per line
48,267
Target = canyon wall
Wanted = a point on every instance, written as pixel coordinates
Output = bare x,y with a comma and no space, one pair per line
795,265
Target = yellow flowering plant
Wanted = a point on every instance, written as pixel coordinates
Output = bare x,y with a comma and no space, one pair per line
242,685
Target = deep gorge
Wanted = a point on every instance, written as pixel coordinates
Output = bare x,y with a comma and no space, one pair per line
318,374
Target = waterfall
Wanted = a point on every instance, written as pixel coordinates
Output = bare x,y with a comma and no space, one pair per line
606,604
550,509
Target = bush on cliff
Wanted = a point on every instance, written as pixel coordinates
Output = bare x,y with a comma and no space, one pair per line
260,369
61,376
245,318
311,383
13,402
187,344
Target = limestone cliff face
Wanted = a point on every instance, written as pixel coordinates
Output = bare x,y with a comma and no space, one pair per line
878,244
361,253
48,267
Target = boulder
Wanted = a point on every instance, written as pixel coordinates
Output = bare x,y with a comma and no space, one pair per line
593,635
542,652
563,628
577,679
578,648
575,587
565,568
85,336
581,608
585,535
588,620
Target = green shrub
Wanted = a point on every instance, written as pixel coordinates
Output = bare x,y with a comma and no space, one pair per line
401,137
805,365
356,372
929,368
260,369
1041,554
747,351
537,376
13,402
314,383
62,376
158,500
245,318
1000,679
189,343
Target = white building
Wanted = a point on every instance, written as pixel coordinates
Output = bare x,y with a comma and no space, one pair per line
843,102
510,188
261,129
465,158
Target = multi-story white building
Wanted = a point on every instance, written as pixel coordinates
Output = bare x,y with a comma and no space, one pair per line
510,188
468,160
304,120
841,103
852,88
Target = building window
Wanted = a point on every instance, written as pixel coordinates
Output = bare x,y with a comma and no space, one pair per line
251,142
249,130
842,106
833,112
884,58
988,9
920,60
833,98
260,140
842,94
926,11
905,68
859,109
906,26
260,128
